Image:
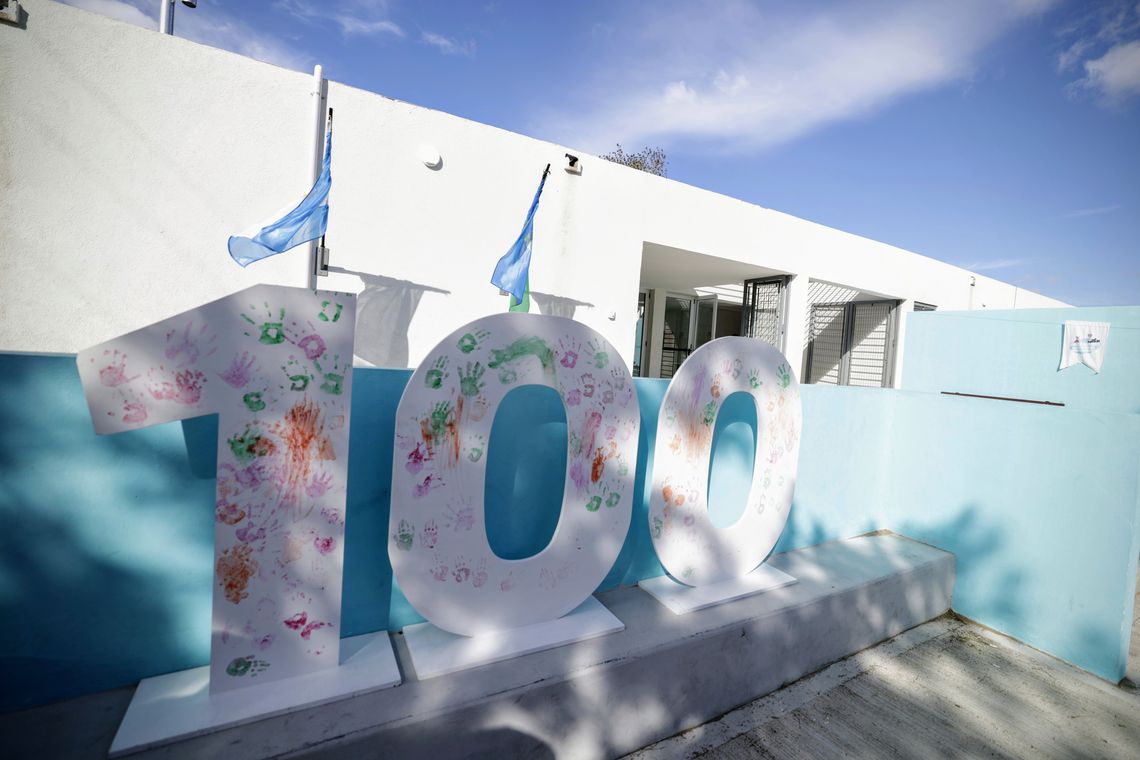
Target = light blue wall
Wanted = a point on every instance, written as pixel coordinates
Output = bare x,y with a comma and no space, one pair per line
1016,354
106,558
1040,507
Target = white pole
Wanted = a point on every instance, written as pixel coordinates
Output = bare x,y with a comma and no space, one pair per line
166,16
318,157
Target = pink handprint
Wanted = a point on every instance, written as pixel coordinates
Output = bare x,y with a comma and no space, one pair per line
186,344
240,370
319,485
115,374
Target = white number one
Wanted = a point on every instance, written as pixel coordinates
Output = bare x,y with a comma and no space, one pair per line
274,364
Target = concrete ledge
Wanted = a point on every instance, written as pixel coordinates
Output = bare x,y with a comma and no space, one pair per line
611,695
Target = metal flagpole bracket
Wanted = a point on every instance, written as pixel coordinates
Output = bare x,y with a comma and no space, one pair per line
12,13
322,259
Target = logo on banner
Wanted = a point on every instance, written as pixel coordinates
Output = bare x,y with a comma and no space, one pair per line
1084,343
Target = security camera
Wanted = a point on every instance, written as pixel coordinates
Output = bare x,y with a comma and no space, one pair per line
190,3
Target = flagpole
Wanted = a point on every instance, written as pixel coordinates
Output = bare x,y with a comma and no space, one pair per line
515,263
322,269
319,99
523,306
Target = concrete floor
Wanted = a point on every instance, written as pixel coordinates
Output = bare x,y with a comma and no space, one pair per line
945,689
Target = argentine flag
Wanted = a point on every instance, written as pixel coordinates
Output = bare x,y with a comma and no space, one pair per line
304,223
513,269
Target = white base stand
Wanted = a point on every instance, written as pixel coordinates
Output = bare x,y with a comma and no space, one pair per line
681,599
436,652
179,705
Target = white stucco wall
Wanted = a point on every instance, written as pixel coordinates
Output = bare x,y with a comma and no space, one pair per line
129,157
126,160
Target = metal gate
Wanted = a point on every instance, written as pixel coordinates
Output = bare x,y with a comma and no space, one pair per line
851,343
869,344
825,344
763,316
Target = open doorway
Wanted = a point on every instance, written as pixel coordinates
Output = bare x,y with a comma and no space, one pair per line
688,299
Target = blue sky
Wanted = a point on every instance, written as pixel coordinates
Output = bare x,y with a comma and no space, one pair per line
1000,135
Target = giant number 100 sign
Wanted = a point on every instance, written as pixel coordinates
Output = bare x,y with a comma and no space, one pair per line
275,364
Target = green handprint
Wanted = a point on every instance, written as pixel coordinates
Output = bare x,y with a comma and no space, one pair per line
478,446
754,380
434,377
332,379
270,324
470,382
529,346
439,414
324,317
785,375
297,374
405,535
253,401
470,341
599,357
594,504
710,413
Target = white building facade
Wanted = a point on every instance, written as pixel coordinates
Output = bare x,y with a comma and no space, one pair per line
128,158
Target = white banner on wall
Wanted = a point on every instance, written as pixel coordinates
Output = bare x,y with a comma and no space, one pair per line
1084,343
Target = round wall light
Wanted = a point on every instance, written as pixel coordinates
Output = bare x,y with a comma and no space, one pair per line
430,157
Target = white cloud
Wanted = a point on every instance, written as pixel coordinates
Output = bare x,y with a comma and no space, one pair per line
1102,26
355,25
1077,213
1104,43
679,92
448,46
730,85
207,24
750,78
992,264
361,18
600,31
1116,74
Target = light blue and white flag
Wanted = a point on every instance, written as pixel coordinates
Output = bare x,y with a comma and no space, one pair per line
304,223
513,269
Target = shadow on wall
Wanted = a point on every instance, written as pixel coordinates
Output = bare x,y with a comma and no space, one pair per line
994,587
106,562
828,323
557,306
384,312
386,307
107,556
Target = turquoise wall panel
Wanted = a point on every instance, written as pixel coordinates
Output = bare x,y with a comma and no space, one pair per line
1016,354
107,556
1039,506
